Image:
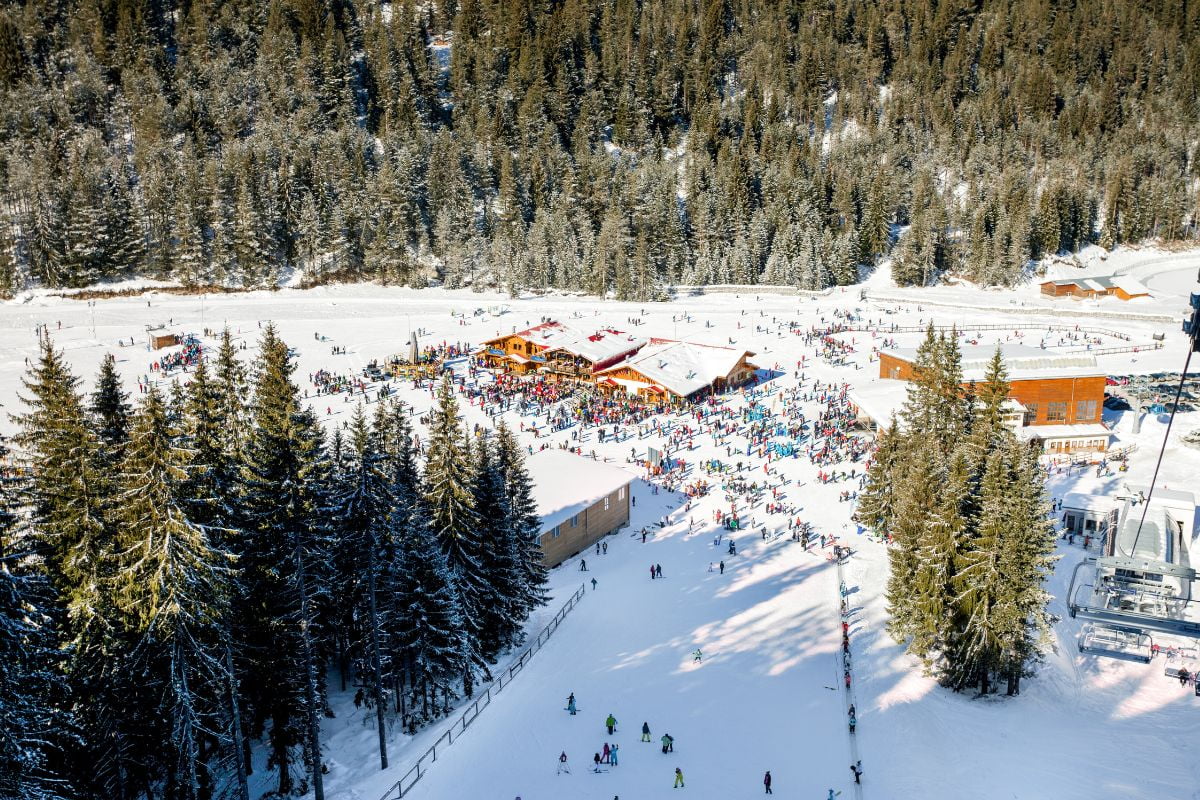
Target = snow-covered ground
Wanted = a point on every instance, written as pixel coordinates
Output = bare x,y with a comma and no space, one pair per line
1084,726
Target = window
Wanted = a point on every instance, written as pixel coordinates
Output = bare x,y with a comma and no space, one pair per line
606,504
1057,411
621,493
1031,411
555,531
1085,410
575,521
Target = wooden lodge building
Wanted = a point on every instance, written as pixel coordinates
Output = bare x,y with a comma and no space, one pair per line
1121,286
579,501
653,370
667,371
1057,398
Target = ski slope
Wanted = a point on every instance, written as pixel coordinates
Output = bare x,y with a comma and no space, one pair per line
1084,726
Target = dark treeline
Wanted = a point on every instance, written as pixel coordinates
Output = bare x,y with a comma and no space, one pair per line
601,145
181,578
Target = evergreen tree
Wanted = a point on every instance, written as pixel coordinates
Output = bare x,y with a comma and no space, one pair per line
110,405
283,547
449,506
523,524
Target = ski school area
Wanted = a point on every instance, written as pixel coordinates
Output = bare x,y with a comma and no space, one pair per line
736,613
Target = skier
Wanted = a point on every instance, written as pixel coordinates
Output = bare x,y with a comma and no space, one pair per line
612,754
583,565
571,704
562,764
832,794
767,782
604,753
853,721
651,572
596,759
678,779
611,724
645,731
857,770
697,656
668,743
722,567
658,569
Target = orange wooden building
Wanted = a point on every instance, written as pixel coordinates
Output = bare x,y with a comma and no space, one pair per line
522,351
1121,286
670,371
1058,390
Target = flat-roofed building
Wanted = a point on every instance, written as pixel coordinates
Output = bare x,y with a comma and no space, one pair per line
579,501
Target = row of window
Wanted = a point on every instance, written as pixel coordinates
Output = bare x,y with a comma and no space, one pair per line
1056,411
556,531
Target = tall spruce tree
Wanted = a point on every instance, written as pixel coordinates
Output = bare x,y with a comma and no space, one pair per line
284,545
449,506
110,405
523,523
169,590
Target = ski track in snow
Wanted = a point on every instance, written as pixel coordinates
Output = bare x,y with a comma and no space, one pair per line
1084,726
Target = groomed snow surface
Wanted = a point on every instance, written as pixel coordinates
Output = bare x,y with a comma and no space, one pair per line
1084,726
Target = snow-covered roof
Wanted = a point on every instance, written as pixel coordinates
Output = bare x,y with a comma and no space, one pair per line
1130,285
683,368
1092,430
1022,361
1102,283
565,484
1088,502
879,400
601,346
546,334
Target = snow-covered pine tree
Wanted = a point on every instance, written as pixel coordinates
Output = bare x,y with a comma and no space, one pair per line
1026,558
283,544
430,622
32,691
523,524
362,508
110,406
916,493
876,502
450,508
501,608
169,589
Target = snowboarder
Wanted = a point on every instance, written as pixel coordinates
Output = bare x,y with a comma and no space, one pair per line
697,656
678,779
767,782
857,770
583,565
612,754
611,724
562,764
645,731
571,704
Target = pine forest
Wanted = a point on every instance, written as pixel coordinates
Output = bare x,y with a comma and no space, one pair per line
185,575
605,147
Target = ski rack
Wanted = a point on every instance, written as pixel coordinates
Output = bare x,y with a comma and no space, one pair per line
469,715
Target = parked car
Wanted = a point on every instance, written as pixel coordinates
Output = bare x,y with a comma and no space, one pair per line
1114,403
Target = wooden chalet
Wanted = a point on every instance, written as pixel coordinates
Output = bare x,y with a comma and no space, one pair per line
667,371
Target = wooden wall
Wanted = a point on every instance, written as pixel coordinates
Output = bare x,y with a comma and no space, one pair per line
594,524
1041,392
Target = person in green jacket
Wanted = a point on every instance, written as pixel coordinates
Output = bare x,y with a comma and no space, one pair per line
678,779
668,743
611,724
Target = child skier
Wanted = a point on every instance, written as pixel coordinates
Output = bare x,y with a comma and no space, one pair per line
612,755
604,753
678,779
645,731
571,704
562,764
